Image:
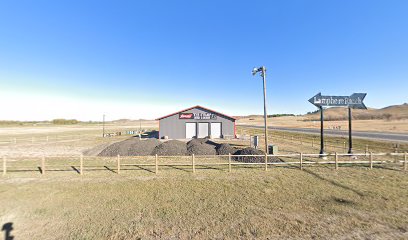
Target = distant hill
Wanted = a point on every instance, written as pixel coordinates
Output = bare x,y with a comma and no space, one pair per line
395,112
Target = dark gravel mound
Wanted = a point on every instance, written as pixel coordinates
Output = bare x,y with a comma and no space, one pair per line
171,148
250,159
225,149
253,159
130,147
201,147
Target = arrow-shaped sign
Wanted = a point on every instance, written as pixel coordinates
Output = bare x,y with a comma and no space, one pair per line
353,101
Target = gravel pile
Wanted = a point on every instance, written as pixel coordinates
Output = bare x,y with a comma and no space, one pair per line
253,159
151,146
131,147
225,149
171,148
201,147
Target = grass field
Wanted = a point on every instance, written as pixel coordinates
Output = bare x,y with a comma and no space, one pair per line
353,202
378,125
317,203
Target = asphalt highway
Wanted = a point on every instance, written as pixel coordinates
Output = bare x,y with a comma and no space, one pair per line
384,136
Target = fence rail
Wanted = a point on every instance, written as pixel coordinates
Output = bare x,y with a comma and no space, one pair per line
81,163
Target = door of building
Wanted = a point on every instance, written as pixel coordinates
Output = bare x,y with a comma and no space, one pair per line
203,130
191,130
216,130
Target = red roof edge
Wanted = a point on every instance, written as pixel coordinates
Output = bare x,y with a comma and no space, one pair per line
198,106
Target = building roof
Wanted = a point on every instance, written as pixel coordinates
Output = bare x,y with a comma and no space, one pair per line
198,106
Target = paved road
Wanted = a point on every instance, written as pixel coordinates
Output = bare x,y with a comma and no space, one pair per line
393,137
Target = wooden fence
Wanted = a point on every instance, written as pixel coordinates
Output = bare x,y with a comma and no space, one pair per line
299,160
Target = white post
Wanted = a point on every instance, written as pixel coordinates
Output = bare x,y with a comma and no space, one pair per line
43,165
81,164
301,161
157,164
371,160
229,162
118,161
336,158
193,162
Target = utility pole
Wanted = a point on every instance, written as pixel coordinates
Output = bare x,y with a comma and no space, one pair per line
350,151
262,70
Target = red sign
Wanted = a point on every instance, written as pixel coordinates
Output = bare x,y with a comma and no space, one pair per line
186,116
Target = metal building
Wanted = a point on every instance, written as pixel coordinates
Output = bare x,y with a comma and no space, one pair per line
196,122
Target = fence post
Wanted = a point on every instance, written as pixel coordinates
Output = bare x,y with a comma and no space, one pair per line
344,146
43,165
229,162
266,161
118,162
405,161
371,160
157,164
301,161
193,162
81,164
4,166
336,161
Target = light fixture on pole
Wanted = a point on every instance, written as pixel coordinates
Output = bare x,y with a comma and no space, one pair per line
262,70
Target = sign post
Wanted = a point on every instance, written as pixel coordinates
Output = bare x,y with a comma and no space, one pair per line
321,132
354,101
350,150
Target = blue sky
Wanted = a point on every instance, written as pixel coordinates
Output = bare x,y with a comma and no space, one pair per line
144,59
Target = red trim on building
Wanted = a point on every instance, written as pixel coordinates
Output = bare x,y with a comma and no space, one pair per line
198,106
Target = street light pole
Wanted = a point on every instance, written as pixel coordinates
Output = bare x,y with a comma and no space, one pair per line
262,70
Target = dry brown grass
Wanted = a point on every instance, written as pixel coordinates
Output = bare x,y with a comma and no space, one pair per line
284,202
317,203
395,126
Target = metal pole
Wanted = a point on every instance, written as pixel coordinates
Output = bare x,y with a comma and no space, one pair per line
321,132
265,115
350,150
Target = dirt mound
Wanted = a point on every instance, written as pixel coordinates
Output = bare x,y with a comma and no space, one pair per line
95,150
171,148
225,149
253,159
201,147
130,147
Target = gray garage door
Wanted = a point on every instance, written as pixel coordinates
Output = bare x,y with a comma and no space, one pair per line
202,130
191,130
